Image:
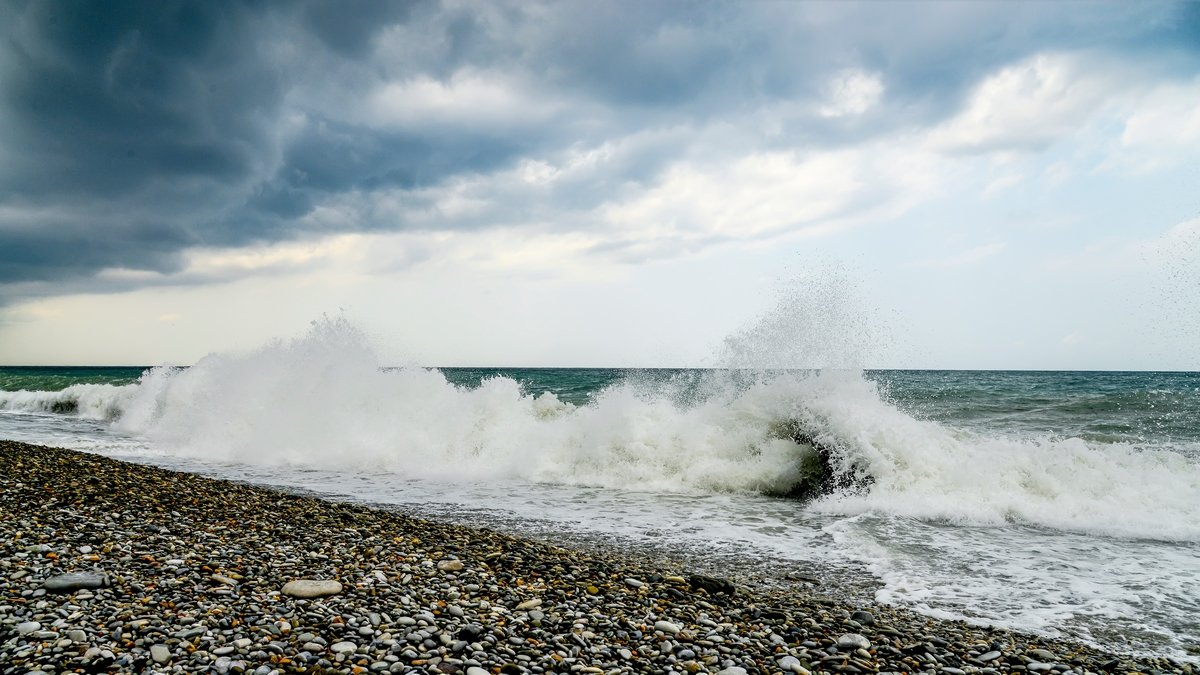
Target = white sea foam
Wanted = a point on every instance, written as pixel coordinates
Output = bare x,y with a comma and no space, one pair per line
323,401
90,401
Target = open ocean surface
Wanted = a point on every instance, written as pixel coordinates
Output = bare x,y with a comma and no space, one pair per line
1053,502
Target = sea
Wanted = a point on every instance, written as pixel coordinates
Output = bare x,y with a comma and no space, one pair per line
1057,503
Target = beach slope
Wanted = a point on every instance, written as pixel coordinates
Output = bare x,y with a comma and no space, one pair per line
109,566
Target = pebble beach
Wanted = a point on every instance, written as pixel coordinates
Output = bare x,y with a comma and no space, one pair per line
107,566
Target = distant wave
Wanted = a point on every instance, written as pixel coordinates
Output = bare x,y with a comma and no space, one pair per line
323,401
93,401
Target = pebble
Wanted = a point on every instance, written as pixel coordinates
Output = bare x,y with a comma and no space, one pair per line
450,566
342,647
160,654
529,604
863,617
311,588
989,656
852,641
667,627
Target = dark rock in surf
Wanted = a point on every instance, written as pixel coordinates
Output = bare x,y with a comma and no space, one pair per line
711,584
820,472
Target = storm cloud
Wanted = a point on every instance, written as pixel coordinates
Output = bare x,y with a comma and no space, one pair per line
131,132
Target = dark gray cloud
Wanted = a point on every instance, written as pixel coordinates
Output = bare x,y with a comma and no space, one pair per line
130,131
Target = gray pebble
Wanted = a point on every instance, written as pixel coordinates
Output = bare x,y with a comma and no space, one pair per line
160,653
852,641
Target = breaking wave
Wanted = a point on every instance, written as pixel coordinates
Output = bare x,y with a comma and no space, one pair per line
323,401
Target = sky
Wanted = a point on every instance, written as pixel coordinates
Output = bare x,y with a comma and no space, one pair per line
1007,185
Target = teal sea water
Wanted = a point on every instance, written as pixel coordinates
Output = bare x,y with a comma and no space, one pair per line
1055,502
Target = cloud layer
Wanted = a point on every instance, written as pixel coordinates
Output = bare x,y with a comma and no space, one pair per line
133,135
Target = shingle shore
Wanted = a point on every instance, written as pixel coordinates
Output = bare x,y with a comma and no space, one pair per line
188,575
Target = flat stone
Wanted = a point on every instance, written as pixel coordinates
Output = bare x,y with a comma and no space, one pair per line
989,656
529,604
160,653
734,670
666,627
311,588
450,566
69,583
343,647
634,583
852,641
476,670
1042,655
77,635
1039,667
28,627
788,662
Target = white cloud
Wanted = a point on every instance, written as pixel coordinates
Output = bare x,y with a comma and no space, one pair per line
235,262
1162,129
468,99
755,195
1026,106
852,92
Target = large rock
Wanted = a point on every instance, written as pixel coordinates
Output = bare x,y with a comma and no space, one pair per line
69,583
711,584
311,588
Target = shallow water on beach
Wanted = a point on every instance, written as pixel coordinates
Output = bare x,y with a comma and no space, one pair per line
1058,503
